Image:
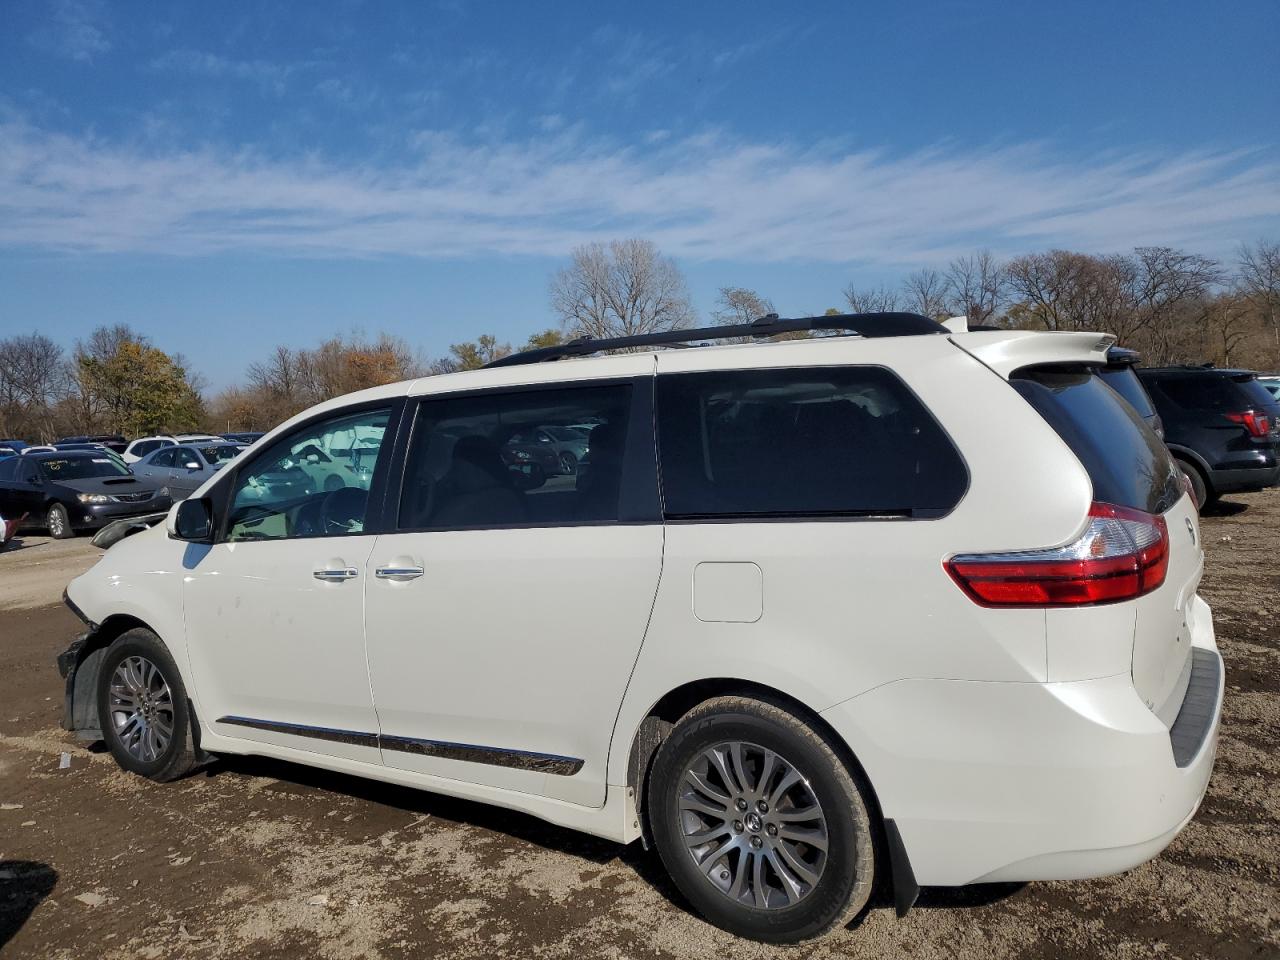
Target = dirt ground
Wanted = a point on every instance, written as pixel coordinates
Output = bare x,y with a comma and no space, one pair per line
267,859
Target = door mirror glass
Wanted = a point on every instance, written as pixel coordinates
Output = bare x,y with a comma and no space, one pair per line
192,465
192,520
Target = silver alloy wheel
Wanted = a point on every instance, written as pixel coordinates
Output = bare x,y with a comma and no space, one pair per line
141,708
56,528
753,825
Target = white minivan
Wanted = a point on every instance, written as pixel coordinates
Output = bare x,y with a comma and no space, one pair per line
898,602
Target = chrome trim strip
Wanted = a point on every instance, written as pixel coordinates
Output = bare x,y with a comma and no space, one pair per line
353,737
495,756
470,753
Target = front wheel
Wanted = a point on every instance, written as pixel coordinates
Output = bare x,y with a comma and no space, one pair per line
143,709
760,823
58,523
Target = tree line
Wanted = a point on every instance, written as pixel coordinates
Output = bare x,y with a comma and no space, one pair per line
1171,305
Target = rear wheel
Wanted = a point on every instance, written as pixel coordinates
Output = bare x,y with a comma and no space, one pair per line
1199,488
59,523
568,463
143,709
760,823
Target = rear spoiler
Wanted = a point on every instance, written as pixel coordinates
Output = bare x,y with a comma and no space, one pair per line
1006,351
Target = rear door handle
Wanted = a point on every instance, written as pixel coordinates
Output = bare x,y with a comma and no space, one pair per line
399,574
336,575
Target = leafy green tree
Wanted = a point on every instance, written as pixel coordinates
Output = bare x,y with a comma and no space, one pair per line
135,388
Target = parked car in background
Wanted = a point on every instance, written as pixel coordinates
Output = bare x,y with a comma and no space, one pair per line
1222,427
806,618
247,438
111,441
1271,382
67,492
38,448
16,445
196,437
569,444
180,469
1119,376
6,452
139,448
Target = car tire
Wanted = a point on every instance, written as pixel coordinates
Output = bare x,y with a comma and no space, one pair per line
1199,488
568,464
708,840
58,523
143,710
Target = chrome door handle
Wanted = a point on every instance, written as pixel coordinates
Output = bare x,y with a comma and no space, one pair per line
336,575
399,574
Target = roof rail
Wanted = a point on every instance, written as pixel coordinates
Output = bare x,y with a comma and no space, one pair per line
861,324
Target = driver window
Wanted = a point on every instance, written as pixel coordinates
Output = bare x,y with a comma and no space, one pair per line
313,483
163,459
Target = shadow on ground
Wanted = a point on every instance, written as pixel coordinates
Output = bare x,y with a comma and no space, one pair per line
23,885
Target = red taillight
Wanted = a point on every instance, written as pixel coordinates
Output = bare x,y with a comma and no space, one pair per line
1122,554
1258,424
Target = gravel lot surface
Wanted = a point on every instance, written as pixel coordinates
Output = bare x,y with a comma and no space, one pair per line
267,859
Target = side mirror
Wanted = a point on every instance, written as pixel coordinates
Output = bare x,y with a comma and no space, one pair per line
191,520
192,465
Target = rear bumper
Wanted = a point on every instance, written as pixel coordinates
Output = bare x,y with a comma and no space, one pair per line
1248,478
1034,781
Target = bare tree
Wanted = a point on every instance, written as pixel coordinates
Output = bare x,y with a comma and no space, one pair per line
871,300
1167,283
741,305
976,286
1259,280
621,289
33,377
925,292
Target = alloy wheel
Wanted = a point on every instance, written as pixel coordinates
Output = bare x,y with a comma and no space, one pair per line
753,825
141,708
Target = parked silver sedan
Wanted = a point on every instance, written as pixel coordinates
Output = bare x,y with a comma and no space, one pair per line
182,469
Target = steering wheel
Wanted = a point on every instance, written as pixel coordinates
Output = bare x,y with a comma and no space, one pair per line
342,510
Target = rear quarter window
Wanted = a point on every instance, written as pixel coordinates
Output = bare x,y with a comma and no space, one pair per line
1126,383
807,442
1127,463
1217,393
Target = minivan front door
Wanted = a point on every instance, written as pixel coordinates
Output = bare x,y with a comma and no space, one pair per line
506,613
275,610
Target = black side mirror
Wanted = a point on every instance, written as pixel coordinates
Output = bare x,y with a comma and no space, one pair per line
193,521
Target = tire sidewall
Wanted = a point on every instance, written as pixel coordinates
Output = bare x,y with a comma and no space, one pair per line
65,532
817,911
143,643
1199,487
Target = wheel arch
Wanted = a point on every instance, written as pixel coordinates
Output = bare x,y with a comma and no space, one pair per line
82,663
1179,452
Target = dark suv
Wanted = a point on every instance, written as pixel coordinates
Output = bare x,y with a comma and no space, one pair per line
1222,426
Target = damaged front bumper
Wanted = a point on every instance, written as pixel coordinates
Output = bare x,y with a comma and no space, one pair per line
77,665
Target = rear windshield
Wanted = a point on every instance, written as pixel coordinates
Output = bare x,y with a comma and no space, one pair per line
818,442
1221,393
1126,383
1127,463
81,468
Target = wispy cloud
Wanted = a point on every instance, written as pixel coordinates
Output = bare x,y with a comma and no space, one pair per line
75,30
707,197
199,63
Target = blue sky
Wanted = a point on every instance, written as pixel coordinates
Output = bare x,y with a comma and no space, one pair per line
226,176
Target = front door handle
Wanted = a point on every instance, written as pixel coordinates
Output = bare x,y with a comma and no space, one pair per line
336,574
398,573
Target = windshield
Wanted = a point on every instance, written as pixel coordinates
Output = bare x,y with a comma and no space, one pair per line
220,454
81,468
566,433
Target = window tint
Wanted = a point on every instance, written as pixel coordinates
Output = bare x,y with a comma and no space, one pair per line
1126,383
311,483
220,454
9,469
844,441
1213,392
478,461
1127,463
146,446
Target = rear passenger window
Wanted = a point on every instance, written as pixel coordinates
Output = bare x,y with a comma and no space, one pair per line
1127,463
818,442
534,457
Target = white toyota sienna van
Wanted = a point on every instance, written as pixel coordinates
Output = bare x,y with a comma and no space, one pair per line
900,603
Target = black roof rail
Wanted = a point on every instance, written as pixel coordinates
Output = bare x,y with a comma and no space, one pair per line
862,324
